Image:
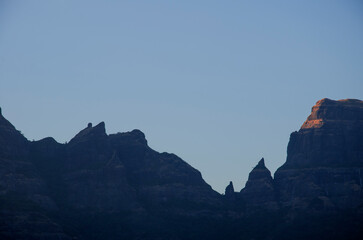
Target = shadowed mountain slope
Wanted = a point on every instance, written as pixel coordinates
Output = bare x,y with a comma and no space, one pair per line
324,166
101,186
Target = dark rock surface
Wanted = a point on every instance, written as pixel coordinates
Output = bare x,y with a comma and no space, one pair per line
324,163
259,190
331,136
101,186
229,192
48,188
24,196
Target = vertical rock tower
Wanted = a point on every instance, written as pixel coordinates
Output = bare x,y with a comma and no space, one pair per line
325,158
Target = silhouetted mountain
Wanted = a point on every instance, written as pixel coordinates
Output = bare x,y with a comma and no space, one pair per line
101,186
259,190
324,166
24,196
229,192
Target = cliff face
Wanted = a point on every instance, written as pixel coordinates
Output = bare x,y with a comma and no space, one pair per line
324,166
24,196
331,136
95,176
121,172
101,186
13,145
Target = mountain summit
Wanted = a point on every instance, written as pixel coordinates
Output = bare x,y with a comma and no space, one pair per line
101,186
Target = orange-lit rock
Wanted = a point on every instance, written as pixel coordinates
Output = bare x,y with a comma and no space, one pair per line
324,166
330,112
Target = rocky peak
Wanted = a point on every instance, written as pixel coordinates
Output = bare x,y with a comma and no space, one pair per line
229,190
139,136
10,135
327,111
331,136
134,137
259,172
261,164
4,123
12,142
259,189
324,158
97,178
90,133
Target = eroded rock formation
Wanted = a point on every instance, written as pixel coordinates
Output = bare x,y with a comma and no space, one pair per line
324,163
259,190
101,186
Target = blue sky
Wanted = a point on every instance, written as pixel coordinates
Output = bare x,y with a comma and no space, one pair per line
219,83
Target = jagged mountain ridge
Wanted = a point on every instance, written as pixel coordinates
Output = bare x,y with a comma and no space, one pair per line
324,165
116,187
94,172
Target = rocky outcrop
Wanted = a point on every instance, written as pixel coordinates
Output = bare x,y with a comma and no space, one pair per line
324,163
259,190
24,196
13,145
331,136
229,192
101,186
94,176
121,172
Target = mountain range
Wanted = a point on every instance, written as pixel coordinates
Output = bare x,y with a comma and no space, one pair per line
100,186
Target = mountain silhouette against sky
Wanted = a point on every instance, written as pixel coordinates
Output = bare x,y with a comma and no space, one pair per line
114,186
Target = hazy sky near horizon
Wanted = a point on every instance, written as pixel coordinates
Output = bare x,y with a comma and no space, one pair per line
219,83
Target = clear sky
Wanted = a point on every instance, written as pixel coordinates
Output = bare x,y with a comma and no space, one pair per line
219,83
